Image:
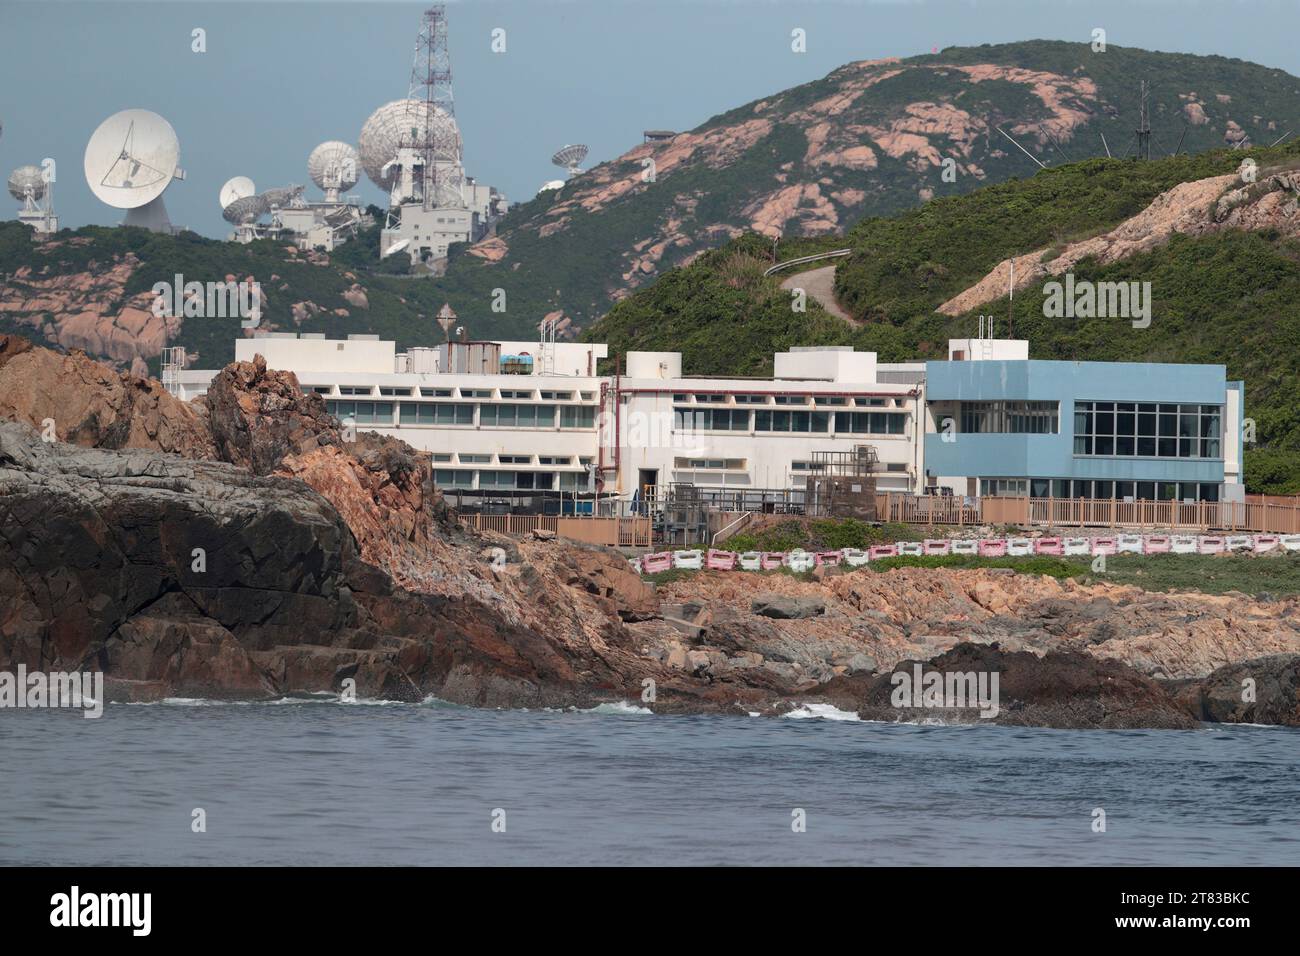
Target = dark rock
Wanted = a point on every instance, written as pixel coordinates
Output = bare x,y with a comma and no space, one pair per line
783,607
1274,684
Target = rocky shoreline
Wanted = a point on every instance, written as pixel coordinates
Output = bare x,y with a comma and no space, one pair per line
239,547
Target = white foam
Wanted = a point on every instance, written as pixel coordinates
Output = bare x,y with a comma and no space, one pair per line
824,711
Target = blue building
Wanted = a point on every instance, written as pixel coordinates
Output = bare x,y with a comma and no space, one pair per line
999,423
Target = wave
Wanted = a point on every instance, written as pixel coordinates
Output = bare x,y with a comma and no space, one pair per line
824,711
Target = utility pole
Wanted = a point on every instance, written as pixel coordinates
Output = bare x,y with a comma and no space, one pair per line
1144,126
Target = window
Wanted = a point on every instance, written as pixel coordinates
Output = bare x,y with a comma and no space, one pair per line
711,419
415,413
554,460
453,478
1147,430
576,416
507,393
436,392
681,398
871,423
515,459
390,390
791,399
1010,417
831,400
555,396
870,402
439,456
1002,487
587,396
751,399
476,393
707,399
730,464
517,416
774,421
316,389
475,459
354,390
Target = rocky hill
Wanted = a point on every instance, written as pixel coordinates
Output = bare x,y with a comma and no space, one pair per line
1219,250
871,139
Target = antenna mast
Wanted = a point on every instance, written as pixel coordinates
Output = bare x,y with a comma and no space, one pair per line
1144,126
436,138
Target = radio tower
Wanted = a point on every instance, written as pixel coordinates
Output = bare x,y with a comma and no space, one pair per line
433,114
1144,127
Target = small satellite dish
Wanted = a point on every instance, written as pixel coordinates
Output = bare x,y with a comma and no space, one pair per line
240,187
551,184
130,161
246,209
570,157
283,196
26,184
396,247
335,167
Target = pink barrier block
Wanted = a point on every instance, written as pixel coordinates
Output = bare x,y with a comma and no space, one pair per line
654,563
1049,546
773,560
993,547
932,546
720,560
1266,542
831,558
1157,544
1210,545
1103,545
883,551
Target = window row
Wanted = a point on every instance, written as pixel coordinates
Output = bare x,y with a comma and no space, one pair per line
1147,430
713,398
510,480
449,413
1099,488
852,423
1011,417
409,391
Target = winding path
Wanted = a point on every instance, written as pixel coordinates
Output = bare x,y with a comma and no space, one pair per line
818,283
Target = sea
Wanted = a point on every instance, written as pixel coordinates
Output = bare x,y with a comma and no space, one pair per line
322,782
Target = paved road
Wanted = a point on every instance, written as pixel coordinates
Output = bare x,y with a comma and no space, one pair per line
820,285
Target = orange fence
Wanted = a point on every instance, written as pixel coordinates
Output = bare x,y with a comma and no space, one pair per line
1274,514
615,532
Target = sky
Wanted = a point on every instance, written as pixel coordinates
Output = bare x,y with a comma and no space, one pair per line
277,78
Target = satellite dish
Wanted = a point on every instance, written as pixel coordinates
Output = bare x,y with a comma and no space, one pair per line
570,157
399,122
246,209
396,247
335,167
26,184
283,196
130,161
552,184
240,187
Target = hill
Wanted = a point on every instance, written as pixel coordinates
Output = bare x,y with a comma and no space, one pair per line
1223,289
869,140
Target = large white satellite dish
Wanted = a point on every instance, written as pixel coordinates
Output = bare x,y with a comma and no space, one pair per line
239,187
130,161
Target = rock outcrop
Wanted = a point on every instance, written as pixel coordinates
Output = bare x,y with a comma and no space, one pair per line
1265,690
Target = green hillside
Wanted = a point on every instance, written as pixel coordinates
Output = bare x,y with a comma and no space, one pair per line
1223,298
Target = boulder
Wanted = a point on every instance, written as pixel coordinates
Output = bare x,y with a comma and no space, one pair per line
785,607
1265,690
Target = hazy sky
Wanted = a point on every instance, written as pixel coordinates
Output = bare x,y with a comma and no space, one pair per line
278,78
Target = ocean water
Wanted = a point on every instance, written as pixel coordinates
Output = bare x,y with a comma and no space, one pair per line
326,783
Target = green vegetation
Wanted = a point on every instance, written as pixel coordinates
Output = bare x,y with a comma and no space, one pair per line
1224,299
1038,564
822,534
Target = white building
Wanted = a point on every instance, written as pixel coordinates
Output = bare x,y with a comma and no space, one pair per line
551,423
512,419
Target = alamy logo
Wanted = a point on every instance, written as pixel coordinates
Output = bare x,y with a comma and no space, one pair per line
103,909
946,690
54,689
1101,300
209,300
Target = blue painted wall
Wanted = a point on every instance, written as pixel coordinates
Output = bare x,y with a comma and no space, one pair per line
1052,456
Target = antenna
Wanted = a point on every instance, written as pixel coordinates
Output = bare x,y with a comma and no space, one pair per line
446,318
130,161
1041,165
436,138
1144,126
